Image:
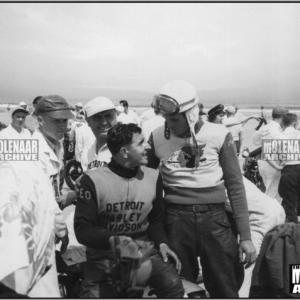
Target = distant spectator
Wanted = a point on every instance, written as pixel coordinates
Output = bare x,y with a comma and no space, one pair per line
130,112
16,129
78,107
122,117
236,130
290,176
270,176
150,125
31,122
238,115
23,104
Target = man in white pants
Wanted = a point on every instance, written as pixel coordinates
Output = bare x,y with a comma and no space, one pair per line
270,176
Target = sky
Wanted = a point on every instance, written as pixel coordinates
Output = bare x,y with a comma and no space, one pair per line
229,51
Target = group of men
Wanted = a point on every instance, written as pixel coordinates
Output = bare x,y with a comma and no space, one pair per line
281,177
173,215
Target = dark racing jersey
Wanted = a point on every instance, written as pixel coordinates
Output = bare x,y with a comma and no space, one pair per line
119,201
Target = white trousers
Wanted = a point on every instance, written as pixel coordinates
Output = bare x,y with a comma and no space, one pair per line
257,239
271,178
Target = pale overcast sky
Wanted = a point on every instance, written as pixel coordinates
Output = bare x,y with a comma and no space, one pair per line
81,50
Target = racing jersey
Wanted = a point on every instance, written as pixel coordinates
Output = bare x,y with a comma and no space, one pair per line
218,168
119,201
92,160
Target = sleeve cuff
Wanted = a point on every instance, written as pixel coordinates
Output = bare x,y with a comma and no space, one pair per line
243,228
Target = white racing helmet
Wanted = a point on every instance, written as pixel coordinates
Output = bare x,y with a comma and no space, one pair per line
179,96
176,97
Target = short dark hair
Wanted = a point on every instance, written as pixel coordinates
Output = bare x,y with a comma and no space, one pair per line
36,99
124,103
289,119
121,135
212,117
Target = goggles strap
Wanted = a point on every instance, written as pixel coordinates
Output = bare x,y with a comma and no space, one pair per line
197,157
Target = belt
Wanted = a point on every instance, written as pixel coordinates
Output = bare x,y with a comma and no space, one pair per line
197,208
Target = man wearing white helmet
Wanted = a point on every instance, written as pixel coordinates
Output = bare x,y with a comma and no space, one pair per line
100,116
198,160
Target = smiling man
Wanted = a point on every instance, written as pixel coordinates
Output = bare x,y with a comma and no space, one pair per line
15,130
124,202
100,115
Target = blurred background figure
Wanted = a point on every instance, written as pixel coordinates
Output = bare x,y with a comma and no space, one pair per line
146,115
122,117
150,125
270,175
16,129
130,112
78,107
202,114
236,130
31,122
263,119
238,115
23,104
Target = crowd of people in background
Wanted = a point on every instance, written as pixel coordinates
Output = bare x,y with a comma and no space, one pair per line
168,182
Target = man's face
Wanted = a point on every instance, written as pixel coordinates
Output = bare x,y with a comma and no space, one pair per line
136,151
78,109
54,128
101,122
18,119
177,123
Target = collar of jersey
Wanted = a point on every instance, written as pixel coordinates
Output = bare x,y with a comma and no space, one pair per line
121,170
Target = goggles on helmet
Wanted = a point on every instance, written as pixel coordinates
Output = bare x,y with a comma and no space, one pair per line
168,105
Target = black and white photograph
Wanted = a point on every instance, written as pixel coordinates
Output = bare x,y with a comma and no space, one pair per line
150,150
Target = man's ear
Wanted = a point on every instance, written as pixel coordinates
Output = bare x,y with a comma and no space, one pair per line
123,152
40,120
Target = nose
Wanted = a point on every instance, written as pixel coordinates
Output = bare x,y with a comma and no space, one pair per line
103,122
147,146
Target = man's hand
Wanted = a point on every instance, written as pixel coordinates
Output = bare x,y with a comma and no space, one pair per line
246,247
64,243
165,251
77,183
